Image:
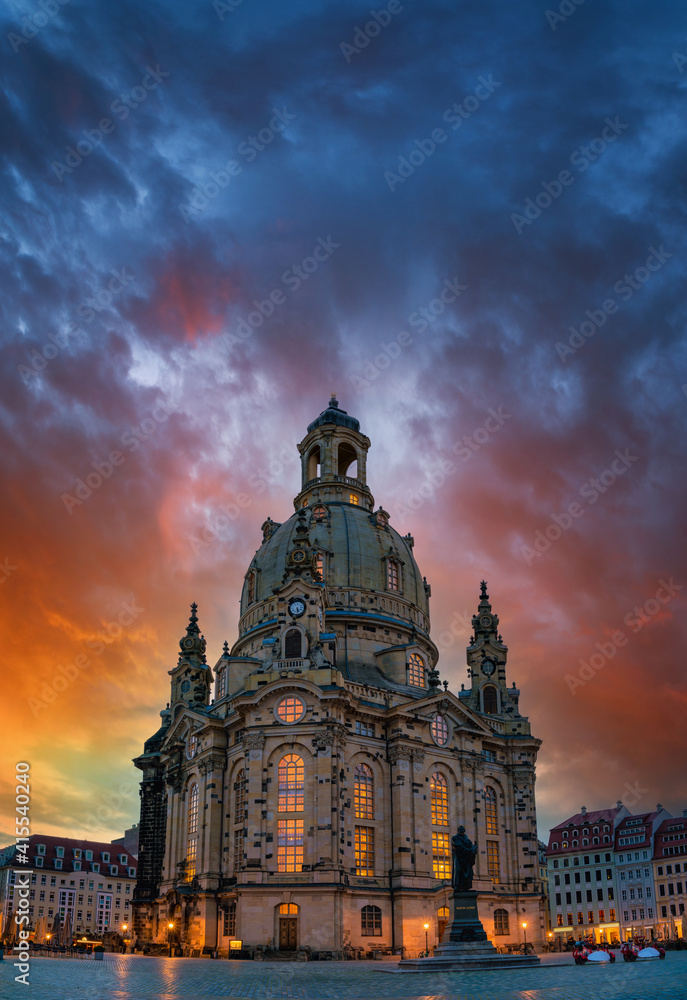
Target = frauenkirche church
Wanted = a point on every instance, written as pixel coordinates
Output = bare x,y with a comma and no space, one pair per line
310,804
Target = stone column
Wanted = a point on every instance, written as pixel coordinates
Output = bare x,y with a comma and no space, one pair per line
254,745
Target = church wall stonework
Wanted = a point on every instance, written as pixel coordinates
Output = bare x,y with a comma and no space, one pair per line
309,804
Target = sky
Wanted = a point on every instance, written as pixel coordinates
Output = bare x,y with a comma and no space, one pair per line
468,221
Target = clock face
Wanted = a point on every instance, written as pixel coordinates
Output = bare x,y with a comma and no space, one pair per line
485,621
188,643
488,667
296,608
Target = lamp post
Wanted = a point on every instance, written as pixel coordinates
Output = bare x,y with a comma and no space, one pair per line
170,927
427,939
524,928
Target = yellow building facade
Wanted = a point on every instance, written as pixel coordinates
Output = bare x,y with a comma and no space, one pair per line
309,806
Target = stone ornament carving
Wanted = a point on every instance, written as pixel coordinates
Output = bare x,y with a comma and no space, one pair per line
215,762
397,754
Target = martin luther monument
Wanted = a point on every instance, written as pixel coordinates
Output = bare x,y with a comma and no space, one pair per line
465,944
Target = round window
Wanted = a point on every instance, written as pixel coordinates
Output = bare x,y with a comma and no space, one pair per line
185,687
319,513
439,730
290,709
191,746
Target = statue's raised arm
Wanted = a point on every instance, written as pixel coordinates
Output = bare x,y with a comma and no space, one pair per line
463,854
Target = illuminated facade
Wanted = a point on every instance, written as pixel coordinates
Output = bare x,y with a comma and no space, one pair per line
311,803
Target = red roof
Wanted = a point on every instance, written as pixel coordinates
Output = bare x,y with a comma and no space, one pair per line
114,851
671,838
583,823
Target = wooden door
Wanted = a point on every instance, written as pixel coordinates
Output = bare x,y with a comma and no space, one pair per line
287,933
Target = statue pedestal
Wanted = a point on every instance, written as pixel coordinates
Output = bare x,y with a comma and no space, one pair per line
465,944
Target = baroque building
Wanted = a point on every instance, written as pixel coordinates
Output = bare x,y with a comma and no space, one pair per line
311,802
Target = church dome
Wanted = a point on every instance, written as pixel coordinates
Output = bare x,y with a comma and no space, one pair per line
356,548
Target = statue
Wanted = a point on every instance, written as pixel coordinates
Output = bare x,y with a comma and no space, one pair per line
463,854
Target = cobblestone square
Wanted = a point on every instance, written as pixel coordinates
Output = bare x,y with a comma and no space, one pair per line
134,977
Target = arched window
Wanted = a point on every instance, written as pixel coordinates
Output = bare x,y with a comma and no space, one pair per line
491,811
240,796
392,574
293,644
363,795
291,783
416,670
347,461
192,842
491,705
353,499
371,921
501,925
438,790
251,587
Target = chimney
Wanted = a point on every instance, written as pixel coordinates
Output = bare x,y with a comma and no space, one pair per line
583,810
619,804
659,807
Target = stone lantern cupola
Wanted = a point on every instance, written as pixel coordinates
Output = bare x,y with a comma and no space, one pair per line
334,460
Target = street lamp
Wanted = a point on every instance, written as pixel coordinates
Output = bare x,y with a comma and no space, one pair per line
524,928
170,925
427,939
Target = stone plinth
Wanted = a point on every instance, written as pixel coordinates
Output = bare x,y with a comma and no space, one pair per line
465,944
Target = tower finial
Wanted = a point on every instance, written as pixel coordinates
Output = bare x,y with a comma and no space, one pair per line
483,591
225,648
192,626
333,401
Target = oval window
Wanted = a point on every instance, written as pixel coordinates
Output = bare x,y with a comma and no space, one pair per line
290,709
439,730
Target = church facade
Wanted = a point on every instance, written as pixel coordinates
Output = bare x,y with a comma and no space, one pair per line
310,804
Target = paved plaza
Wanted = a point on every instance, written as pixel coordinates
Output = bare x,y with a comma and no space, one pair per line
132,977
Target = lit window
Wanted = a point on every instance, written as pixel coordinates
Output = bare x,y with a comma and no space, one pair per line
501,923
442,920
363,795
192,831
288,910
438,790
493,869
490,700
416,670
371,921
392,575
352,498
290,709
441,855
439,730
291,782
364,850
240,796
319,513
491,811
290,844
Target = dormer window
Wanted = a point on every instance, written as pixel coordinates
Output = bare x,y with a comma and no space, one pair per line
77,852
392,575
123,858
58,863
319,513
89,855
38,861
416,670
106,856
40,848
59,852
96,867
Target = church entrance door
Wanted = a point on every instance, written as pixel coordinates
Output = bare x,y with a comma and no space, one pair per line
287,933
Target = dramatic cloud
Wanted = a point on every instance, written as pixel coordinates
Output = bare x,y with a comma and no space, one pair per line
497,199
